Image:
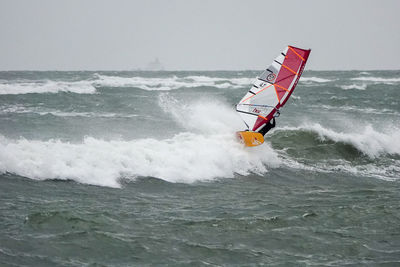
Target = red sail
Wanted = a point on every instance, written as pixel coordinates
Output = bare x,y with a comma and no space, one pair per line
273,87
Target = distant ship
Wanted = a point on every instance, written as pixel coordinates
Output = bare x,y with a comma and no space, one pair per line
155,65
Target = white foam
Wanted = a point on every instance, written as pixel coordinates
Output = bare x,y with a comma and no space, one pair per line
139,82
170,83
87,114
338,97
144,83
20,109
387,173
235,81
342,108
354,86
186,157
210,151
364,73
81,87
314,80
377,80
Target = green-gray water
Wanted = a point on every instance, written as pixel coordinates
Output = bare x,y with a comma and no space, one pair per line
142,168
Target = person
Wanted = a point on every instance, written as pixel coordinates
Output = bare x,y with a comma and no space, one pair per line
268,126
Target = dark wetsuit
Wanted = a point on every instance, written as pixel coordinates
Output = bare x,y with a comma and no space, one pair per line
268,126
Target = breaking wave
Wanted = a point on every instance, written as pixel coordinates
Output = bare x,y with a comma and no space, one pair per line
20,109
354,86
149,84
356,109
382,172
377,80
81,87
207,150
186,157
365,73
170,83
366,153
366,140
164,83
314,80
144,83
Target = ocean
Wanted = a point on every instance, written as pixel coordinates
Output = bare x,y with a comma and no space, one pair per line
135,168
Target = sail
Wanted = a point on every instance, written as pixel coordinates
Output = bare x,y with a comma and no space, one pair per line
272,89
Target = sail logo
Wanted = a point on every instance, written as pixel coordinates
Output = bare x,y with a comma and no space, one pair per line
271,77
255,110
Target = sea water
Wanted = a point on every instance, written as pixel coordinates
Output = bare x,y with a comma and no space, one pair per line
143,168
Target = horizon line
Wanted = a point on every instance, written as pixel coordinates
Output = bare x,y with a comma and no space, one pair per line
180,70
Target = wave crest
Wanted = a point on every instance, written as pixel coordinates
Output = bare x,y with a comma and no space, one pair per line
184,158
377,80
314,80
170,83
81,87
354,86
368,141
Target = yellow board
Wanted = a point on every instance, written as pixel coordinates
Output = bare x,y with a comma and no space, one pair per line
250,138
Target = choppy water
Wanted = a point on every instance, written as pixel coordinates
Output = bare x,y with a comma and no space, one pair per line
136,168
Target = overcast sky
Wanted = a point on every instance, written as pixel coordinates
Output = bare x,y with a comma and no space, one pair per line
197,35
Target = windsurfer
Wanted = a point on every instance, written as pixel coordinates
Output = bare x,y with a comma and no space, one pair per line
268,126
269,92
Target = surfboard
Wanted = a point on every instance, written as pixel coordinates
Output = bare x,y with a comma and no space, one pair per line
250,138
270,92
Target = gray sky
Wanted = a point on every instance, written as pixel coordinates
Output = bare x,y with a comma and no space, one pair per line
197,35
